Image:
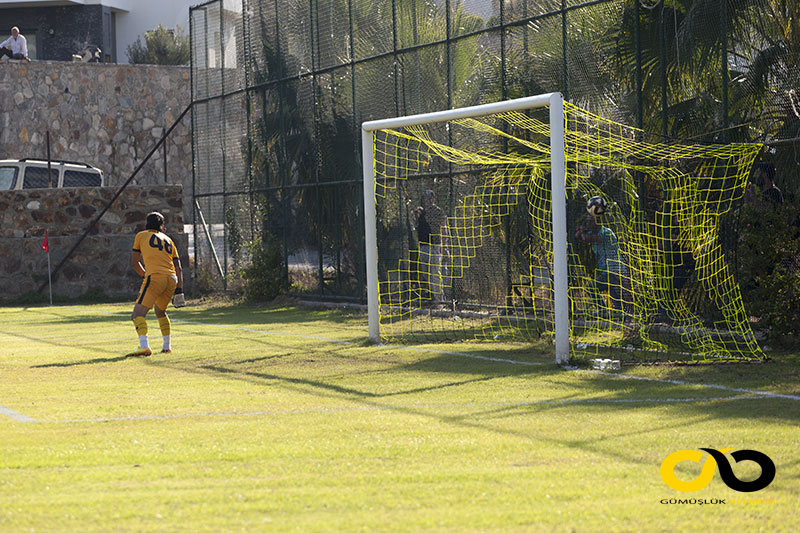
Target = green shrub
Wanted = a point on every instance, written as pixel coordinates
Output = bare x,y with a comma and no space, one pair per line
162,46
264,276
768,264
205,283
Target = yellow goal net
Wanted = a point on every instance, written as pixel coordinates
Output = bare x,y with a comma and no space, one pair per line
464,233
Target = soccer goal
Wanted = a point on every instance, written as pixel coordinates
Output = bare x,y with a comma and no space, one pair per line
534,218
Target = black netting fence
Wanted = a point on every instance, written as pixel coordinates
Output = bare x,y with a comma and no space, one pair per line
280,88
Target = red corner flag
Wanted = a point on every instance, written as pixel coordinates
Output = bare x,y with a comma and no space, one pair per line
45,244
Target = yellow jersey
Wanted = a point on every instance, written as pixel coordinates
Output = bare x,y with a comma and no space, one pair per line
157,251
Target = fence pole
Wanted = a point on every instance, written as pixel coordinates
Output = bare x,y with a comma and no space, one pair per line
102,212
49,170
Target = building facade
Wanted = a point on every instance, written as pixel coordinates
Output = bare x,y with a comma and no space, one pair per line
56,29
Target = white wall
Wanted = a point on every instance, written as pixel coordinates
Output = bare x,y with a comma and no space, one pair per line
146,15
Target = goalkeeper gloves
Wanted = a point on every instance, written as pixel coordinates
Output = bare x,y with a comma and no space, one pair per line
179,300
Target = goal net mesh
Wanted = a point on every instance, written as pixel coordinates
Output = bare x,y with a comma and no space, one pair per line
464,232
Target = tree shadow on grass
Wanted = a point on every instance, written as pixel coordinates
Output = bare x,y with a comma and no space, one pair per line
306,383
242,315
478,418
72,318
449,367
95,361
596,391
223,314
484,363
64,345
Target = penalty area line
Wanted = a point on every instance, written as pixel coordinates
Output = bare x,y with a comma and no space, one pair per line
19,417
262,332
765,394
445,406
225,326
470,356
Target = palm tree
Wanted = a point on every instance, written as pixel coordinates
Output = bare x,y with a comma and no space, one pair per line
306,127
685,90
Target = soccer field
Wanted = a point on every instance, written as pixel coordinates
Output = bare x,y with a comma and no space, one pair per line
287,419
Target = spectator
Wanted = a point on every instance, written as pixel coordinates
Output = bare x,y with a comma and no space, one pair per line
15,47
431,223
764,181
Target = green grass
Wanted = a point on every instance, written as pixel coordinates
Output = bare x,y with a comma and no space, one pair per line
286,419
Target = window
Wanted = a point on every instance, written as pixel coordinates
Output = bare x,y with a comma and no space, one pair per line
76,178
8,178
36,178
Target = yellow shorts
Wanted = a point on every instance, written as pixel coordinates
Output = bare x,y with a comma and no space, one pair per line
157,290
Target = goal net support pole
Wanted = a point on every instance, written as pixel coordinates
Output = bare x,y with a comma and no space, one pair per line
555,102
559,203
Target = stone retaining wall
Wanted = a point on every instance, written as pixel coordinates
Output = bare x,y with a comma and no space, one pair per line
102,262
107,115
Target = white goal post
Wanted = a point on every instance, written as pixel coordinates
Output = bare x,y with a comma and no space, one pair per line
555,102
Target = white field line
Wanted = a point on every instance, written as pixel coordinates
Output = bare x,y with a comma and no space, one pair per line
19,417
328,339
755,394
507,361
469,355
335,410
690,384
261,331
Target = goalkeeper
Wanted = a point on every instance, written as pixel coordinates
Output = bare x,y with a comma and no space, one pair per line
610,268
162,278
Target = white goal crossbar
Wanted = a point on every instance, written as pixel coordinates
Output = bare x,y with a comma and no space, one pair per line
555,101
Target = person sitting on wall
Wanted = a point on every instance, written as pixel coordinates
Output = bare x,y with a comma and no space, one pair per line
15,47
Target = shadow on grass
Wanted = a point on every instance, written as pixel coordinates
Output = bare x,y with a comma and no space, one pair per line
384,377
329,387
95,361
487,414
597,398
450,367
482,361
51,315
65,345
264,315
701,400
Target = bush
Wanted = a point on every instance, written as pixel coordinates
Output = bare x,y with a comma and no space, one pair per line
777,300
768,262
206,283
162,46
264,277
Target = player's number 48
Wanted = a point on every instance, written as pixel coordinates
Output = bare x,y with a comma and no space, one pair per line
155,242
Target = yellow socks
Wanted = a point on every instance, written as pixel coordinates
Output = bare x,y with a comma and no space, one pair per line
163,323
141,329
141,325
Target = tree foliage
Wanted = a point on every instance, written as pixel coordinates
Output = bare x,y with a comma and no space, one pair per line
263,277
675,57
305,129
162,46
768,264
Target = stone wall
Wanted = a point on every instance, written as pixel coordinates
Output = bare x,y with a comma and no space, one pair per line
102,262
107,115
